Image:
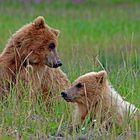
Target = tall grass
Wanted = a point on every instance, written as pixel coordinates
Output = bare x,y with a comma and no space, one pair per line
94,35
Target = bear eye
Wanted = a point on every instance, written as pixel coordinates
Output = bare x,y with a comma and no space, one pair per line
79,85
51,46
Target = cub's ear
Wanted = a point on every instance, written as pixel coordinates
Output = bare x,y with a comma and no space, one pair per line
39,22
55,31
101,77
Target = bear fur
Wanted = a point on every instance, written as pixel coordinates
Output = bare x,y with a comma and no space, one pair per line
94,96
30,58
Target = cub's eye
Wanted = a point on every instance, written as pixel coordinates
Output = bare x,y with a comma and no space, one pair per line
79,85
51,46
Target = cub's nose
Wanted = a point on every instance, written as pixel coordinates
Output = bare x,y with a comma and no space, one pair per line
64,94
59,63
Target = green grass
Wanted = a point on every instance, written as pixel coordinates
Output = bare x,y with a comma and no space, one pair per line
92,33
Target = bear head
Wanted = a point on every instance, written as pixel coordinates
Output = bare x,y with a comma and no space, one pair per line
87,88
36,44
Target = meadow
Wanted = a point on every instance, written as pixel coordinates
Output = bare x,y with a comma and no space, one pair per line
95,35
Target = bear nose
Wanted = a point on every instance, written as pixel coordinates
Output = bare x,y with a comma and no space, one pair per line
64,94
59,63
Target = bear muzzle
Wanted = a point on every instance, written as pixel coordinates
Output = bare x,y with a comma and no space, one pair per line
67,97
54,64
58,64
64,94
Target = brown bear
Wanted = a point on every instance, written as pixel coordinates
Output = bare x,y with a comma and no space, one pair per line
30,58
94,96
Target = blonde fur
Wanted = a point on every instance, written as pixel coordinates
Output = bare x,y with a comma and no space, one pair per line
94,96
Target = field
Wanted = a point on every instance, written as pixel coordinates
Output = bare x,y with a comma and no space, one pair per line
95,35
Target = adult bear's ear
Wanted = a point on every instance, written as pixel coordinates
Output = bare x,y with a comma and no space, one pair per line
55,31
39,22
101,77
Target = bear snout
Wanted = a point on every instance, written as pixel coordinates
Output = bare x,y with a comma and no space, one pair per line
64,94
58,64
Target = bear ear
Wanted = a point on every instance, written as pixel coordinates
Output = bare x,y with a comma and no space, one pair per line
39,22
101,77
55,31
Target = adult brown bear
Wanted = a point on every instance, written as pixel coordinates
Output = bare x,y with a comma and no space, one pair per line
30,59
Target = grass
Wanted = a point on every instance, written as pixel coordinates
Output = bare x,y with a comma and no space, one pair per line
94,35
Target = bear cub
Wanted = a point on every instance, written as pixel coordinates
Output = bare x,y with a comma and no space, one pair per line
93,95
